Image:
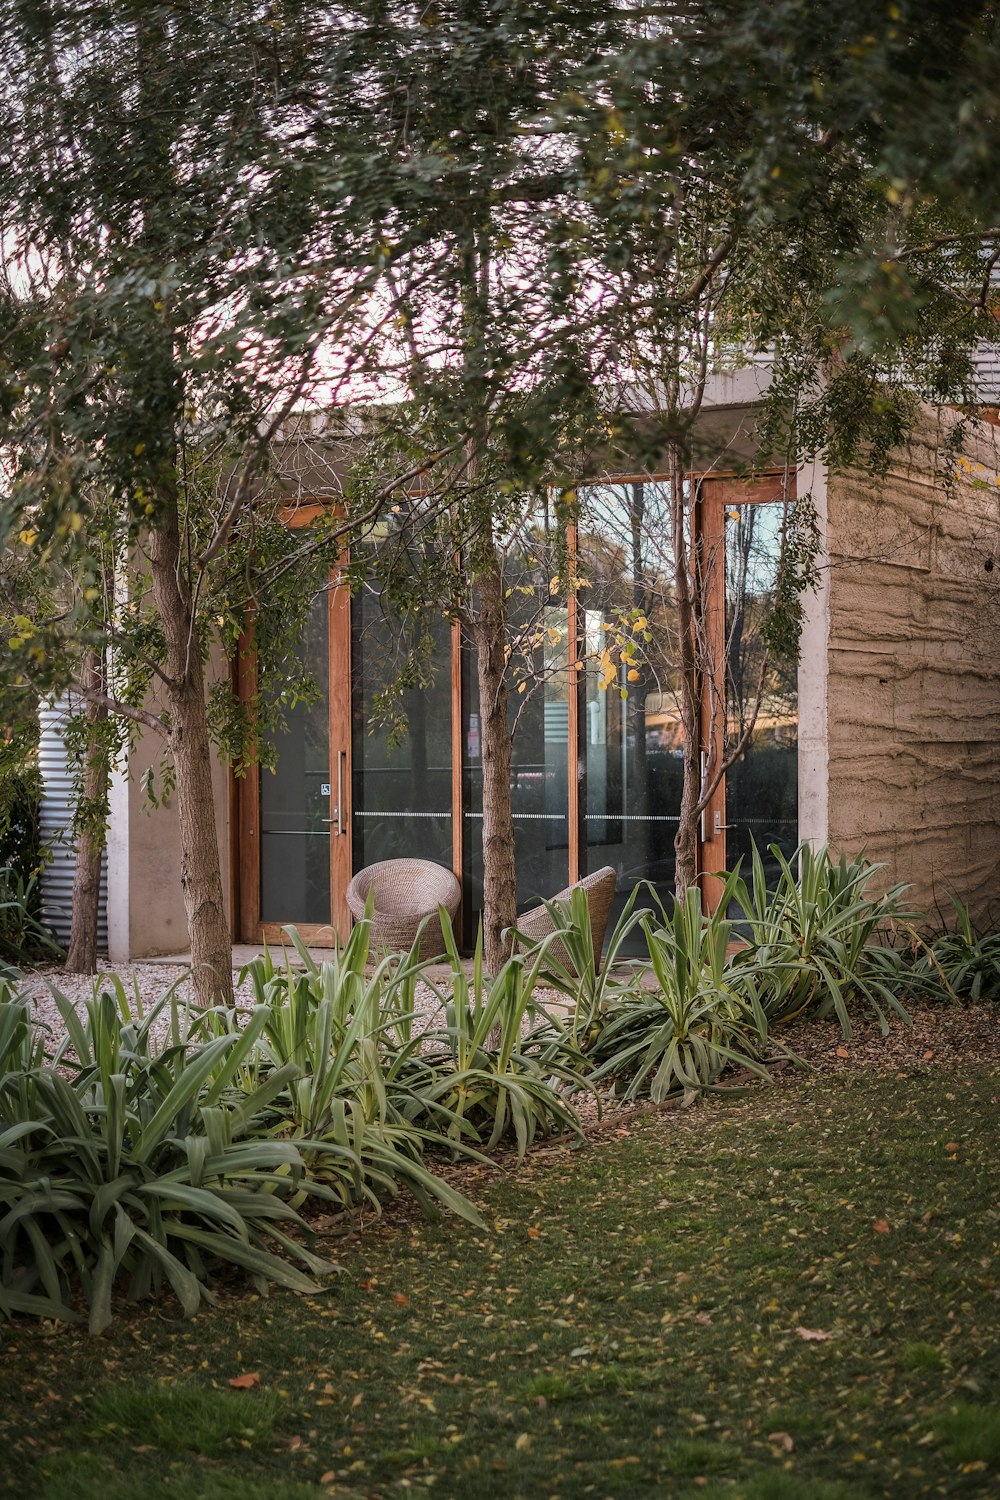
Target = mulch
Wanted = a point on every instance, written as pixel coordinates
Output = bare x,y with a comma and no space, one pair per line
948,1036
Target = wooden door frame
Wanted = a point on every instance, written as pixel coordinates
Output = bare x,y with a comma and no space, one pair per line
712,495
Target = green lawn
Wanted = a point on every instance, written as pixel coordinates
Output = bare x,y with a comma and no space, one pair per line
792,1295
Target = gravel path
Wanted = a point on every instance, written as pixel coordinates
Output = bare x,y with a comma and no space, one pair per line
152,979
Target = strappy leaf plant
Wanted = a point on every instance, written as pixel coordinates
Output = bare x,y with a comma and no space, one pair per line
499,1061
25,938
332,1023
819,944
681,1033
960,962
570,965
145,1169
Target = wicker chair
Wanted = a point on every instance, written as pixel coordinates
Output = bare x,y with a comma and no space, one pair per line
600,892
404,892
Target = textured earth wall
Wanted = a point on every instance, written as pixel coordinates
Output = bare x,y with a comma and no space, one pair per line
914,666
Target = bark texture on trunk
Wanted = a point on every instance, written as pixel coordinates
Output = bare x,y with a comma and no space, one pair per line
687,604
82,955
499,870
201,871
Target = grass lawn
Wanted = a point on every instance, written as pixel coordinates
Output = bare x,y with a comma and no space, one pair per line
796,1294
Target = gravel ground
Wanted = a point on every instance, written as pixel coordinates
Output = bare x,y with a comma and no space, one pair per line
153,979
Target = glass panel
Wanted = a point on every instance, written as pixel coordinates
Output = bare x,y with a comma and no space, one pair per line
762,785
401,752
295,799
630,721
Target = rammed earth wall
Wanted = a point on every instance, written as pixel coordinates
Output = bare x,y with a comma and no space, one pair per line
913,689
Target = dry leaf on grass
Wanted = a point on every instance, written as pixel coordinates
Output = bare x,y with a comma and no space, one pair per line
245,1382
813,1335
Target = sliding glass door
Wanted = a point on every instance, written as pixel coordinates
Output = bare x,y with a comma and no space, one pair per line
386,760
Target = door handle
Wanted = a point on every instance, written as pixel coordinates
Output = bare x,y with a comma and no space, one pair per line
339,814
717,824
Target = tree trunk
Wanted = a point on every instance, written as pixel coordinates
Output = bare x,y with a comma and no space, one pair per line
686,582
499,870
201,872
82,955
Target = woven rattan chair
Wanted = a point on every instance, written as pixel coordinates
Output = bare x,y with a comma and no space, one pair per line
404,892
600,892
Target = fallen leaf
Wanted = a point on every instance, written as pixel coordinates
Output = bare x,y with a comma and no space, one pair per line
842,1052
533,1233
523,1442
783,1440
328,1477
357,1401
813,1335
702,1318
952,1147
401,1299
881,1226
244,1382
928,1054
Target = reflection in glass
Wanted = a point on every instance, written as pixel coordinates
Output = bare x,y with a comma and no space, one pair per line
629,719
295,799
762,784
401,732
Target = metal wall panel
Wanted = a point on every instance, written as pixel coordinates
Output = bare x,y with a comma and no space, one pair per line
56,815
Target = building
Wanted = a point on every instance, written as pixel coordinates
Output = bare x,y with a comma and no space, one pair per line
884,740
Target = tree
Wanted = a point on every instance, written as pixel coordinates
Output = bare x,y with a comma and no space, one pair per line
486,346
177,247
481,217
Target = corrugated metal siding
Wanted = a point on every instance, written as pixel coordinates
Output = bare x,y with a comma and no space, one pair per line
56,814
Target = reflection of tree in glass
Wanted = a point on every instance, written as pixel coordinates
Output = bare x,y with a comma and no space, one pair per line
754,539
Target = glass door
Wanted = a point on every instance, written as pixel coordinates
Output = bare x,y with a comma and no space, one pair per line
630,721
401,750
761,694
362,771
295,858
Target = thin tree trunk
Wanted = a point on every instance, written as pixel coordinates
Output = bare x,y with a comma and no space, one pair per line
201,872
82,955
499,870
686,838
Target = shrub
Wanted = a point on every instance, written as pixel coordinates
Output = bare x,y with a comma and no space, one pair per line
20,803
498,1068
119,1163
681,1035
818,944
960,963
349,1094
